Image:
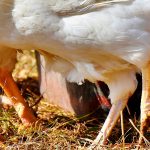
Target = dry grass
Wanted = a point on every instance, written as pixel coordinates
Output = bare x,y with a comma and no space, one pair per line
59,129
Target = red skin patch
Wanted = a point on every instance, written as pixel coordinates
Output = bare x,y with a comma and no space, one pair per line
104,101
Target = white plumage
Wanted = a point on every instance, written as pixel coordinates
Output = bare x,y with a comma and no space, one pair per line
86,40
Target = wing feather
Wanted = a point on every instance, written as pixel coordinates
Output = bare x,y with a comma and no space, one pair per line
87,6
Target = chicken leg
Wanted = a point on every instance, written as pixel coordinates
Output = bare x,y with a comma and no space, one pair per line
11,90
145,101
109,123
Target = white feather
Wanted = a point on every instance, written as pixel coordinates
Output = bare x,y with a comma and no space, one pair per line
82,40
96,45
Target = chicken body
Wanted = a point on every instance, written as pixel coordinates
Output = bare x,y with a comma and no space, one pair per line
110,43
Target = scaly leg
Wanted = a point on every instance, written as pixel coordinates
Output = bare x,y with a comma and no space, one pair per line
109,123
11,90
145,101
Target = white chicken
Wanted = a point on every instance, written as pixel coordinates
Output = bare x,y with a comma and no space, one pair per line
84,39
